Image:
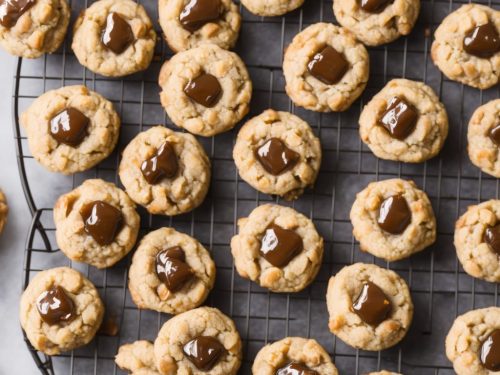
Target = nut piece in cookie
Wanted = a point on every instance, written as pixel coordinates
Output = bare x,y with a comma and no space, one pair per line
393,219
137,358
31,28
205,90
326,69
4,210
114,38
71,129
477,240
473,342
60,310
277,153
198,341
467,46
171,272
376,22
370,307
293,355
96,223
278,248
483,136
188,24
270,8
167,172
405,122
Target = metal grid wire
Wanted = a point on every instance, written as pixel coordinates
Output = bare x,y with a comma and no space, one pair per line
439,287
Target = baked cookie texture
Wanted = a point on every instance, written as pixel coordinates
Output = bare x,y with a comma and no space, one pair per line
374,29
297,135
62,337
222,32
476,256
71,237
308,352
345,287
431,128
448,51
483,151
4,210
149,292
94,55
39,30
309,92
250,264
102,132
137,358
171,196
203,321
419,234
465,338
270,8
232,75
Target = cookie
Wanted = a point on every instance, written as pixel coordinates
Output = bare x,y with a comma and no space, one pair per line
483,137
405,122
31,28
270,8
171,272
277,153
167,172
71,129
137,358
376,22
473,343
60,311
114,38
326,68
188,24
370,307
205,90
293,355
393,219
96,223
278,248
467,46
477,240
4,210
199,341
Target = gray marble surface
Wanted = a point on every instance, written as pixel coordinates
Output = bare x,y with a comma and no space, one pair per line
15,357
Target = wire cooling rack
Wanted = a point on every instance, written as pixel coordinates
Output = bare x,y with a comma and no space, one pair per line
439,287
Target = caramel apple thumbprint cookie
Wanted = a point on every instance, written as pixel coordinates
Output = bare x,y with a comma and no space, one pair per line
171,272
293,356
326,69
114,38
96,223
467,46
393,219
71,129
189,24
473,342
370,307
277,153
167,172
205,90
60,311
278,248
404,122
200,341
477,240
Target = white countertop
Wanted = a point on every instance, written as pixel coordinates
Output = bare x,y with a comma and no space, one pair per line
15,357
